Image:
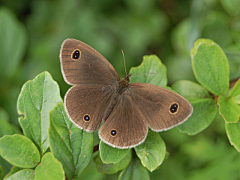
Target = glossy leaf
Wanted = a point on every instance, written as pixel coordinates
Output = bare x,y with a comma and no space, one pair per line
150,64
37,98
72,146
134,171
19,151
204,111
233,133
229,110
210,66
190,90
25,174
152,151
49,168
112,167
109,154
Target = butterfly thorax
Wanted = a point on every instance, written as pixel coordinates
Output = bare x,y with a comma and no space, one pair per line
122,84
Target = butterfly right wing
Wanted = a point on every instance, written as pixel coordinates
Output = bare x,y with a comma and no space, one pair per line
86,104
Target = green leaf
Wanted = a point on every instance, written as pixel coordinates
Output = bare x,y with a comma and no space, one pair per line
152,151
5,165
36,99
234,60
1,173
150,64
49,168
24,174
112,168
229,110
231,6
19,151
204,111
134,171
7,128
110,154
3,114
233,133
190,90
72,146
13,42
210,66
12,171
235,92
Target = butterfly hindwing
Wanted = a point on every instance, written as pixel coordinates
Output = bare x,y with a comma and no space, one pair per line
126,126
162,108
85,105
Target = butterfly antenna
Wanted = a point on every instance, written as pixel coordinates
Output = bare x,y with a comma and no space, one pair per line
144,74
124,62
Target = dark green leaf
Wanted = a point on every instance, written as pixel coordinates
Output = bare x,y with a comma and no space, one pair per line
36,99
13,42
210,66
12,171
4,115
1,173
134,171
110,154
19,151
49,168
5,165
231,6
152,151
229,110
72,146
112,167
7,128
204,111
25,174
234,61
150,64
235,92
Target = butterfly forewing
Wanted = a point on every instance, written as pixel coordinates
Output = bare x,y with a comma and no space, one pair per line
81,64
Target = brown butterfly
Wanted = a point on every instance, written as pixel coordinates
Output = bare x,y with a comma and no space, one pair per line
127,109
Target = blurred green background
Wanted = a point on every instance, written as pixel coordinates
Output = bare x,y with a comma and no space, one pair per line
31,33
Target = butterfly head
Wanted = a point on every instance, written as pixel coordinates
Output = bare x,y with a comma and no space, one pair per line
125,80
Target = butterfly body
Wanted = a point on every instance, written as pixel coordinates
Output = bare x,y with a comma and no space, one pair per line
127,109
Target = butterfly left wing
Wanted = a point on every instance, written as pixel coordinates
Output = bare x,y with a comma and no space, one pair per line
125,127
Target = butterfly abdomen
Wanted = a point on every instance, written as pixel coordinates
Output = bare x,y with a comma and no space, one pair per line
121,87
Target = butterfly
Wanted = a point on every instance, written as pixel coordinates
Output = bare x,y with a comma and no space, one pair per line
126,109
